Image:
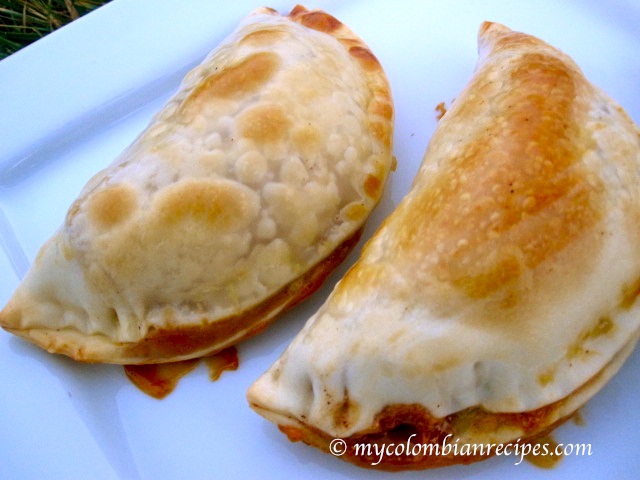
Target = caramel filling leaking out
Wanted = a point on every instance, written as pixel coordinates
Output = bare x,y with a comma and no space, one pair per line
159,380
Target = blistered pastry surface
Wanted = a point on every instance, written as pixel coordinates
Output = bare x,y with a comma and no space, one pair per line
272,153
508,276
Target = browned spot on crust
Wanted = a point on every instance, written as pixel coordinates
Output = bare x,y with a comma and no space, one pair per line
233,81
356,212
220,205
306,139
112,205
381,108
316,20
629,294
602,327
297,11
381,131
546,378
514,196
367,59
372,186
264,123
264,37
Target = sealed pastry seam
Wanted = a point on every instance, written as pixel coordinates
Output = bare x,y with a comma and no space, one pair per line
504,284
397,423
256,174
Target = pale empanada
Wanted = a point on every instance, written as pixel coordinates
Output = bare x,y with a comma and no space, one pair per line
501,293
235,203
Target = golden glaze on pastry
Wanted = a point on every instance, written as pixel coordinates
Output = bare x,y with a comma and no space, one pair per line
240,197
501,293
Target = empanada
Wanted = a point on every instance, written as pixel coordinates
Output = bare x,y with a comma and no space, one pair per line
236,202
499,296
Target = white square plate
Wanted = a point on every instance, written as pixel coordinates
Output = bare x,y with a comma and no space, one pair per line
72,101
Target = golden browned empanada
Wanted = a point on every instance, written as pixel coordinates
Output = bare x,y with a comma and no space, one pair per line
240,197
501,293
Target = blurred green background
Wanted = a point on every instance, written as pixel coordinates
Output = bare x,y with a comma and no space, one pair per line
25,21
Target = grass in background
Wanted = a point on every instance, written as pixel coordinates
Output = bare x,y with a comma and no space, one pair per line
25,21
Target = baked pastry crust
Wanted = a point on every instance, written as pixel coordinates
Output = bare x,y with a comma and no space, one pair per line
235,203
501,294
